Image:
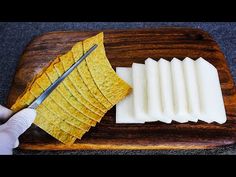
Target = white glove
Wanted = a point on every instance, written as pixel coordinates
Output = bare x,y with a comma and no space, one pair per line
13,128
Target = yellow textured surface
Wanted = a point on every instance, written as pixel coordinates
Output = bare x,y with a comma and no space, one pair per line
56,96
77,51
78,133
81,100
56,109
81,86
66,94
59,111
77,86
85,107
53,130
44,82
108,82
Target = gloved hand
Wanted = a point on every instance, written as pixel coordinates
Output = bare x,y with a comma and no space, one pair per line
13,128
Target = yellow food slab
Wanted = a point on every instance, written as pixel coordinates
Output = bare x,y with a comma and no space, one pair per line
53,75
54,119
57,110
67,61
53,107
53,130
82,99
71,88
77,51
108,82
56,95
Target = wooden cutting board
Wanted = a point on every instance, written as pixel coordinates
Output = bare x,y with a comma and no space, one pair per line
123,47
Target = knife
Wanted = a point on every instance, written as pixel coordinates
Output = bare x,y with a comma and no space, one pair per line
44,95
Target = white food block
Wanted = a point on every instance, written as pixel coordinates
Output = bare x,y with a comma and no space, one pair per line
179,92
154,106
140,92
211,100
124,109
166,89
191,89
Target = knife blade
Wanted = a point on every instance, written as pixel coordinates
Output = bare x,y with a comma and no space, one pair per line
47,92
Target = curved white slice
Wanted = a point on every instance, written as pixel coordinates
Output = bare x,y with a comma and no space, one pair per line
192,89
166,89
212,104
154,106
179,92
140,92
124,109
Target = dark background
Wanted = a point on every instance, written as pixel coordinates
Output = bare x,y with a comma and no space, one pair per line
14,36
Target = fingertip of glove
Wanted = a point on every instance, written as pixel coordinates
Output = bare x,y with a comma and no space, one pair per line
31,112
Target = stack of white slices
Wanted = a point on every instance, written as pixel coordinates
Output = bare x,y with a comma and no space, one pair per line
166,91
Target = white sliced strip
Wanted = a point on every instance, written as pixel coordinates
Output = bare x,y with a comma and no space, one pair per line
166,89
211,100
192,89
140,92
179,92
124,109
154,106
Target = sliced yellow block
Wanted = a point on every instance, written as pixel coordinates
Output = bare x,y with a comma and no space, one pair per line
57,110
53,76
77,51
44,82
56,96
85,107
74,79
106,79
53,130
56,120
78,133
82,99
85,92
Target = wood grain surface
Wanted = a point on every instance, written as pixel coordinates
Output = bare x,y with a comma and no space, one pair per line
123,47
